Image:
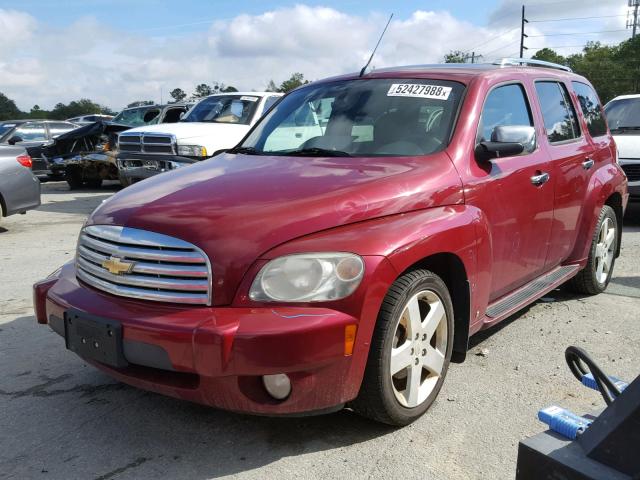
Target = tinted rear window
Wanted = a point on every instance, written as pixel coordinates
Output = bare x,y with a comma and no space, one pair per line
591,109
559,116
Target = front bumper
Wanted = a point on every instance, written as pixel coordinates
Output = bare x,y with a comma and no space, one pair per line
140,166
631,169
217,356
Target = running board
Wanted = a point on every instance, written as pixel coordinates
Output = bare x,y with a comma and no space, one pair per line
530,292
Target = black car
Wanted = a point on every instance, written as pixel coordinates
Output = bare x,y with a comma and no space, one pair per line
34,135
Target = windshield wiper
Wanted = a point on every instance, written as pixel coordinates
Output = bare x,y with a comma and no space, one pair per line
317,152
245,150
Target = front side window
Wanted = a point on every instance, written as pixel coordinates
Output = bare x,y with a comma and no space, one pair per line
591,109
505,106
624,115
559,117
368,117
31,132
237,109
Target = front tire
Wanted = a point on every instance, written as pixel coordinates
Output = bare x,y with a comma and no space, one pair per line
595,277
410,350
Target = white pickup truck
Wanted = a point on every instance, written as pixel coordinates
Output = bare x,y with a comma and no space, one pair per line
214,123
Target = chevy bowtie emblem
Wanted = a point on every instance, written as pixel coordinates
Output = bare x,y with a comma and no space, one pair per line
117,266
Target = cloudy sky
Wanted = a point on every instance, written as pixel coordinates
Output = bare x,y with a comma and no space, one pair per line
118,51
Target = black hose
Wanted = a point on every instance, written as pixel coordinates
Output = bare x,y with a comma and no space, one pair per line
575,357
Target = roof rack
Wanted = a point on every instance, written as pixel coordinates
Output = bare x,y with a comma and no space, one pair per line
530,62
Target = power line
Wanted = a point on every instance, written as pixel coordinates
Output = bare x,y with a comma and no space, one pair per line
575,18
515,42
577,33
492,38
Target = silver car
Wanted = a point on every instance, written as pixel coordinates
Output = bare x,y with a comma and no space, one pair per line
19,188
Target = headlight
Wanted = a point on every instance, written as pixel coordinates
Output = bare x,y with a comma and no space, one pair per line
309,277
192,151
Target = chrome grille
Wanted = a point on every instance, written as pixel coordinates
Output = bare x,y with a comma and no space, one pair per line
153,143
144,265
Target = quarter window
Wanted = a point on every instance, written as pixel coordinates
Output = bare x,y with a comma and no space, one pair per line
591,109
560,121
505,106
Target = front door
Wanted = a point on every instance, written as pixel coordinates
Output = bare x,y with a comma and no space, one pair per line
515,193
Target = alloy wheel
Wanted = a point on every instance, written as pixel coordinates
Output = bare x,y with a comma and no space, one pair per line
605,250
419,348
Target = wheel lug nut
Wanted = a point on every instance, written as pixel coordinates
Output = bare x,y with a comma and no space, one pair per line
424,337
412,351
424,352
417,361
417,336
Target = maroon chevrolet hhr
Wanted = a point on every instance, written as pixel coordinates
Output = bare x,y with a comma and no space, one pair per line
346,250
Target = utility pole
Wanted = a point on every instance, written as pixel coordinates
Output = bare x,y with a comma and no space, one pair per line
473,57
523,35
634,22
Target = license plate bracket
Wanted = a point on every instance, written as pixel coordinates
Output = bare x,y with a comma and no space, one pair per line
94,338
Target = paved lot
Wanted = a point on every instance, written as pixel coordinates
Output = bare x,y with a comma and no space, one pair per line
61,419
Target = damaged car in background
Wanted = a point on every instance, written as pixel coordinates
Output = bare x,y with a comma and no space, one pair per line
87,156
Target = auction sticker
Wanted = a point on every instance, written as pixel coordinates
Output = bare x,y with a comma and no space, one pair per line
249,99
417,90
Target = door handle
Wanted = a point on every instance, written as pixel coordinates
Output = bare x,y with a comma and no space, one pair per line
540,179
588,163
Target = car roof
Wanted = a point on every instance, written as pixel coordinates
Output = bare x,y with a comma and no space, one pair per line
625,97
463,72
26,120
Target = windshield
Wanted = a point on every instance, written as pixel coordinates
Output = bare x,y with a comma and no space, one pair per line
224,109
378,117
624,113
136,117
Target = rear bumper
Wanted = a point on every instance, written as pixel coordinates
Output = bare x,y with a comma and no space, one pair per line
217,356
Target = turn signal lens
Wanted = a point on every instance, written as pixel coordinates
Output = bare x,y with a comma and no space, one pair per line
349,339
25,161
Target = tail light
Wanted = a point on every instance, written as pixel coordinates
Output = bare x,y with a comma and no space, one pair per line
25,161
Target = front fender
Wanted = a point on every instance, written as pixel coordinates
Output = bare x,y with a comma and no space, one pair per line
390,246
604,182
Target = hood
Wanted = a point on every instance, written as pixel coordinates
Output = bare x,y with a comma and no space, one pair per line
190,130
628,145
238,207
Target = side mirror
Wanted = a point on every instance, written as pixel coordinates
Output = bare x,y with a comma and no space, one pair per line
15,139
181,115
507,141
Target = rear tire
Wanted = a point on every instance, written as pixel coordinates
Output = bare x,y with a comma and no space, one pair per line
413,337
73,178
94,183
595,276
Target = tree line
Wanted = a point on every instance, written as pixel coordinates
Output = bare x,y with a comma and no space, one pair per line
61,111
612,69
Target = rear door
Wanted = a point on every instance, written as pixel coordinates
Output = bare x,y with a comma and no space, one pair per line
571,154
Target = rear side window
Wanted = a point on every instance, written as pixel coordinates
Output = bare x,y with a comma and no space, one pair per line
559,116
505,105
591,109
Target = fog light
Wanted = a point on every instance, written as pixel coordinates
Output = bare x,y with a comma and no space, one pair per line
278,386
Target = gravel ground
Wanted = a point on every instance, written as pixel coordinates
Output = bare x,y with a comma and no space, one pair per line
61,419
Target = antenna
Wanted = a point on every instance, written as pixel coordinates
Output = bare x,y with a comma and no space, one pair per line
364,69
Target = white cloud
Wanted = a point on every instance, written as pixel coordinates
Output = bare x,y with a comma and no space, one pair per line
92,60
